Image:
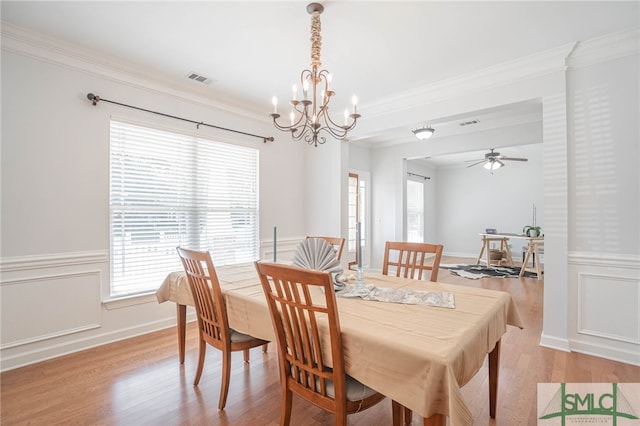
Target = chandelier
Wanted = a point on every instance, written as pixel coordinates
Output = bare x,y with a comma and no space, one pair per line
309,116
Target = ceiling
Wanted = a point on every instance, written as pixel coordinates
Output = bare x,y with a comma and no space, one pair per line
375,49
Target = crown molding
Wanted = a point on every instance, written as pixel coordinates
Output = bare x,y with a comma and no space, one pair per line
528,67
54,51
605,48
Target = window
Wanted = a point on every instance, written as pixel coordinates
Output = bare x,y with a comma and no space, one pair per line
168,190
415,211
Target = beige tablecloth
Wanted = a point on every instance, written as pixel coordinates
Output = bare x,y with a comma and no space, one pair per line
417,355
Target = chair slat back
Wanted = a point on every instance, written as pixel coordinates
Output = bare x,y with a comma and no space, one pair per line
336,242
412,260
302,304
207,295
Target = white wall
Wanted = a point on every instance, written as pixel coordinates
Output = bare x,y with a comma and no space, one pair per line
604,243
469,200
591,184
55,200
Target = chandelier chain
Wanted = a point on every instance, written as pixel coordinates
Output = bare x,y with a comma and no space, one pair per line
316,40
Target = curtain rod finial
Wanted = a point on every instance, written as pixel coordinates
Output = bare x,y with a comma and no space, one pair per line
93,98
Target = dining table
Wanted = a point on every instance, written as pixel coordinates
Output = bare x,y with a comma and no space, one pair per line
415,354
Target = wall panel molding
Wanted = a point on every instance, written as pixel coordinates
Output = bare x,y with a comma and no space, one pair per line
604,296
607,260
597,319
24,263
41,315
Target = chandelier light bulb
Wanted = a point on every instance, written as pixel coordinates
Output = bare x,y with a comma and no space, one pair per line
294,89
274,101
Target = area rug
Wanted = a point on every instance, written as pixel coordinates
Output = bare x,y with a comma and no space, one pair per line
475,272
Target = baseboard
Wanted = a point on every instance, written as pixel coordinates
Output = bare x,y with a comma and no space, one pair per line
10,362
555,343
472,257
614,354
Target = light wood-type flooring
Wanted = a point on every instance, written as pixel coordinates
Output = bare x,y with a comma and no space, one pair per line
139,381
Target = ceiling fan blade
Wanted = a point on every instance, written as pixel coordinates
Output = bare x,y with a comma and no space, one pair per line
475,164
513,159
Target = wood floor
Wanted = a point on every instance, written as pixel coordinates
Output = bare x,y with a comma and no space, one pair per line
140,381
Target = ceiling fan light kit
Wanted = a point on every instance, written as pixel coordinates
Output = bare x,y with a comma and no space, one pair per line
493,160
493,165
424,133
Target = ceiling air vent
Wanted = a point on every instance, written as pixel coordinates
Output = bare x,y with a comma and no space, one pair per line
199,78
470,122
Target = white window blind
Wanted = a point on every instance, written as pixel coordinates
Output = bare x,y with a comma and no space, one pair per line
170,190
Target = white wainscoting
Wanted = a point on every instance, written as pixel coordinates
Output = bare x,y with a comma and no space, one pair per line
36,318
604,311
53,305
285,249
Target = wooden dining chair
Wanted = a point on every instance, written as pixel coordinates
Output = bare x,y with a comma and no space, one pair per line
302,305
336,242
412,260
409,262
213,324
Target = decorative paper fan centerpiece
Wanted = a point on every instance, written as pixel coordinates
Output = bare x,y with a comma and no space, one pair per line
318,254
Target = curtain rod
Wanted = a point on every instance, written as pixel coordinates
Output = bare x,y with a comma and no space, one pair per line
95,99
417,175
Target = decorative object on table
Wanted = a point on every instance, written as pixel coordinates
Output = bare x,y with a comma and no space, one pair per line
318,254
491,231
532,230
360,288
475,272
310,115
336,242
442,299
275,244
493,160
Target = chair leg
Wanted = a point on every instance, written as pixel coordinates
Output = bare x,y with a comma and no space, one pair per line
285,410
408,416
398,411
340,418
246,355
226,376
201,354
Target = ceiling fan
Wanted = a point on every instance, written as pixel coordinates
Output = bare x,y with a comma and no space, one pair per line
493,160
